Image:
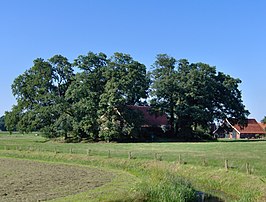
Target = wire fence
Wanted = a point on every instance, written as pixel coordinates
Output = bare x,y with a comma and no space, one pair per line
181,158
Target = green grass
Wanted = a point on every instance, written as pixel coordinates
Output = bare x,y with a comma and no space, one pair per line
202,164
213,154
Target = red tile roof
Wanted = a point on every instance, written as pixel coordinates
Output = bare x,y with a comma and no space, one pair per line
151,119
263,125
252,128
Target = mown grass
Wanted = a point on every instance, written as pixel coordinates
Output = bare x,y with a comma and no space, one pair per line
143,184
202,164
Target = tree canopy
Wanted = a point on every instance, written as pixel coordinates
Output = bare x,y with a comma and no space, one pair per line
194,95
87,104
92,101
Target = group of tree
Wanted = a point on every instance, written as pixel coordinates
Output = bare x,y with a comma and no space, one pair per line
89,97
194,95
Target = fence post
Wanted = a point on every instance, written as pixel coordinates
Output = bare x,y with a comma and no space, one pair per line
88,152
130,155
109,154
70,151
155,156
226,164
248,168
204,162
179,159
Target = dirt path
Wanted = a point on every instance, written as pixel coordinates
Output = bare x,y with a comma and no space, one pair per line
24,180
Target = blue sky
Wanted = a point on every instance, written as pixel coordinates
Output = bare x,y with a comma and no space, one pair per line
228,34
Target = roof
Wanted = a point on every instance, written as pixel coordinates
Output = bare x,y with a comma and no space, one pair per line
151,118
263,125
252,128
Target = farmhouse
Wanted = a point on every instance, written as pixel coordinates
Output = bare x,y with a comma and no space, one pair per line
252,129
154,124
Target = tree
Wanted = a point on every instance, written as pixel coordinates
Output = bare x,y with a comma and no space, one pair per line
127,83
194,107
84,94
30,90
54,100
264,120
130,76
194,95
229,104
2,123
12,118
165,90
94,102
40,95
111,108
62,77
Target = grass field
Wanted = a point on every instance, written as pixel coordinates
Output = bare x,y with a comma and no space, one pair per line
200,164
29,180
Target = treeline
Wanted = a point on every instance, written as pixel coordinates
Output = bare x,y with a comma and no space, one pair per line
88,98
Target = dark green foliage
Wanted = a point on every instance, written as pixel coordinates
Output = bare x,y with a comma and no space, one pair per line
11,119
165,90
93,102
2,123
40,93
84,94
194,95
89,104
127,83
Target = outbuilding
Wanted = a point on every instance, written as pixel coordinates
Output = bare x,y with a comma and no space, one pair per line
251,129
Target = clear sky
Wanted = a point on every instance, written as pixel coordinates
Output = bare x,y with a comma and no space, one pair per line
228,34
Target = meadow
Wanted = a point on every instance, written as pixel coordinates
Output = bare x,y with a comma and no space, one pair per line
230,170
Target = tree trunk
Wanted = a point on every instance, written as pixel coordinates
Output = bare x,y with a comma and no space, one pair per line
66,135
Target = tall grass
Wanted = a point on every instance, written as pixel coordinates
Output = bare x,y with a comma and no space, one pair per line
166,187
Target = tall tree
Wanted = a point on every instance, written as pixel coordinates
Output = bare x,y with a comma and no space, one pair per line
195,101
51,98
84,93
30,90
127,84
199,95
165,90
228,103
40,95
62,77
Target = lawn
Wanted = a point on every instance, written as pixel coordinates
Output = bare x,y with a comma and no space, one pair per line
201,164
